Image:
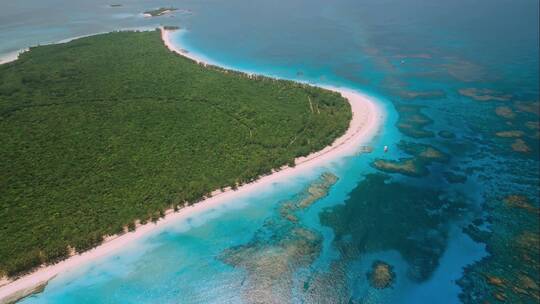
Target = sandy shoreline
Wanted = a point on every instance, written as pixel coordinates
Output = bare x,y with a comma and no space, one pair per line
11,56
366,119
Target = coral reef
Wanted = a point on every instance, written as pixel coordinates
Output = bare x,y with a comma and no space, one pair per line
270,263
464,70
314,192
381,275
415,166
318,189
513,133
519,145
484,94
279,248
511,272
521,201
532,107
423,151
407,166
368,223
426,95
533,125
412,121
505,112
454,178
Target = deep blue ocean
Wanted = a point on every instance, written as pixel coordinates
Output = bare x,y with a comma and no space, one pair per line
451,210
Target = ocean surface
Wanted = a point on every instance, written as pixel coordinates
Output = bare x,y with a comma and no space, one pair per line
449,214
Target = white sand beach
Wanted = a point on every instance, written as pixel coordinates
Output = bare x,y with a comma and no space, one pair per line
367,117
12,56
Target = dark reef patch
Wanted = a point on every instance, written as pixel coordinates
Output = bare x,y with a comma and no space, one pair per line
454,178
425,152
511,273
412,121
385,215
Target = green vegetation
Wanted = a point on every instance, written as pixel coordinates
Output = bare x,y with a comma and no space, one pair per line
104,130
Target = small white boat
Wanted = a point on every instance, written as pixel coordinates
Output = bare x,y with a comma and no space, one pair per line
385,148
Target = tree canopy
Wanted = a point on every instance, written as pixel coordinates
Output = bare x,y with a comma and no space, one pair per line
109,129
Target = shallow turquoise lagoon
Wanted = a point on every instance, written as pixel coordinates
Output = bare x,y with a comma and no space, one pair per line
447,73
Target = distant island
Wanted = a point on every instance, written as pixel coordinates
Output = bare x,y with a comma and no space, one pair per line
171,27
160,11
108,132
115,5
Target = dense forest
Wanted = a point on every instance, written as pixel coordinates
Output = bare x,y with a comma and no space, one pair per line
103,131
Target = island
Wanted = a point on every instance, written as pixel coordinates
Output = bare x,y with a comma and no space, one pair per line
159,12
108,132
108,137
171,27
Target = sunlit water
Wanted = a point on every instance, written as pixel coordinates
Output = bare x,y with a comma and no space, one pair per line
402,53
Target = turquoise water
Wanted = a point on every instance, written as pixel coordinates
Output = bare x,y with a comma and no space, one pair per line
442,227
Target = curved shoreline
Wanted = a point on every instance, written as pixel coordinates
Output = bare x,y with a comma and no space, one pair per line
365,122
